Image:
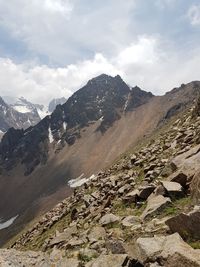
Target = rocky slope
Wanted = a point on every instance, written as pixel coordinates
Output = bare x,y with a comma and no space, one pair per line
142,211
82,136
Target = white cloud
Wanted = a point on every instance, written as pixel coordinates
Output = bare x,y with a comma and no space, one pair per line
66,30
42,83
194,14
145,62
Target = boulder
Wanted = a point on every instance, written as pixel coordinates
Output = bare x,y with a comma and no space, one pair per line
131,197
145,191
154,205
115,247
187,225
189,161
97,233
109,260
131,221
179,177
195,188
168,251
109,218
173,189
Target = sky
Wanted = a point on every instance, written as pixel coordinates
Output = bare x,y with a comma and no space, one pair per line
51,48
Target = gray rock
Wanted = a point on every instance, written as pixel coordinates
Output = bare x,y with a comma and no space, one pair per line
171,250
109,218
174,189
145,191
154,205
109,260
131,221
97,233
187,225
132,196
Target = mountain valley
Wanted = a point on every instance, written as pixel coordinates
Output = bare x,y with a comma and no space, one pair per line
137,155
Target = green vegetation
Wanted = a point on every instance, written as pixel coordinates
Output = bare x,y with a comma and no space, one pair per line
195,245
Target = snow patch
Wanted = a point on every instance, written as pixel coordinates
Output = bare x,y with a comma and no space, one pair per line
101,119
51,139
64,125
22,109
42,113
8,223
80,180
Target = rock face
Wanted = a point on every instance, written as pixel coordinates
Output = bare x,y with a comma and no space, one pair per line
14,258
169,251
54,102
103,98
195,187
155,204
10,117
187,225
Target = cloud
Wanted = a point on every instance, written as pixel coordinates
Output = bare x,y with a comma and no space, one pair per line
42,83
146,62
65,31
194,15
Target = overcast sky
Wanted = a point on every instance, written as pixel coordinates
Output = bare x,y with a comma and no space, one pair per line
50,48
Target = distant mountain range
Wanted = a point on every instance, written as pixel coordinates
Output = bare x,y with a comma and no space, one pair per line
21,113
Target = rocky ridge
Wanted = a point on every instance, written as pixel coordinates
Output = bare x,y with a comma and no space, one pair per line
133,213
102,99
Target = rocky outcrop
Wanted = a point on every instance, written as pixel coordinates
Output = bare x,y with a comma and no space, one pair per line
167,251
187,225
54,102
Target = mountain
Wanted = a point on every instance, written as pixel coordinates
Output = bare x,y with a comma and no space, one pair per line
20,117
24,106
54,102
81,137
143,210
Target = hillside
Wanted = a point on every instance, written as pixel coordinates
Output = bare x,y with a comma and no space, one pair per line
83,136
142,211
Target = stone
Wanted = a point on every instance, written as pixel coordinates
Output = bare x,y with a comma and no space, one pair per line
115,247
189,161
133,158
63,237
109,260
195,188
187,225
108,219
173,189
168,250
145,191
154,205
97,233
125,188
131,221
132,196
179,177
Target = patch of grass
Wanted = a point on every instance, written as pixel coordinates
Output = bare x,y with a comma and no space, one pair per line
37,243
170,210
177,206
138,211
84,258
113,225
123,209
195,245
